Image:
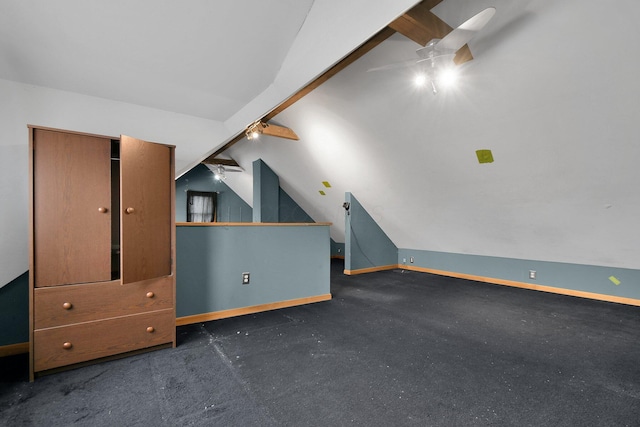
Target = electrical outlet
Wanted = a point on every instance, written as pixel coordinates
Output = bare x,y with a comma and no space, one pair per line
245,278
411,260
532,274
404,260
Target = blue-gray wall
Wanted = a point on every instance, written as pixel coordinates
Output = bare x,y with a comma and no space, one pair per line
577,277
231,208
337,249
271,203
290,211
366,244
14,311
266,193
285,262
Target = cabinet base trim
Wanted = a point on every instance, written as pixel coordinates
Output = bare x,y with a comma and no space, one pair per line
224,314
13,349
102,359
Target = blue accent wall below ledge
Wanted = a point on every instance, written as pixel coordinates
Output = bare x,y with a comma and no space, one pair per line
610,281
266,193
366,244
285,262
14,311
337,249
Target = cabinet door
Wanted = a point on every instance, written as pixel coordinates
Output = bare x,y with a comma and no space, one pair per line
146,180
71,208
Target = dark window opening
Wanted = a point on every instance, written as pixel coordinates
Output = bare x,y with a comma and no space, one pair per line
201,206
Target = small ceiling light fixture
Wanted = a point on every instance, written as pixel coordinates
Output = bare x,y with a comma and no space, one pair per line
218,173
257,128
254,130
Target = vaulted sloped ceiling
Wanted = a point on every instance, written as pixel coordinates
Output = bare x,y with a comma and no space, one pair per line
553,93
197,58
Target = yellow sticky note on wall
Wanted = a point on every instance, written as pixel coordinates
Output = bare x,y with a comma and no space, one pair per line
484,156
615,280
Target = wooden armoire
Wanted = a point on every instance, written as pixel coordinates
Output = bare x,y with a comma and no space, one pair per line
102,247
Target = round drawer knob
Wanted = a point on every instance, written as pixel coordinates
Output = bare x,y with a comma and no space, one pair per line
129,210
150,329
102,209
150,294
67,345
67,306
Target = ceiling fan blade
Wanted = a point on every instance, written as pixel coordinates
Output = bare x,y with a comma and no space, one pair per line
403,64
223,162
230,165
466,31
279,131
439,58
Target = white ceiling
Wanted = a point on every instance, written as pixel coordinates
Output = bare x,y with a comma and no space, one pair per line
201,58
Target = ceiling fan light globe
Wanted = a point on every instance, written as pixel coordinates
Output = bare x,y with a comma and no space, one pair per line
219,174
420,80
448,77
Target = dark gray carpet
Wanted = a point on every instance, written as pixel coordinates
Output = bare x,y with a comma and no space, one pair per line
391,348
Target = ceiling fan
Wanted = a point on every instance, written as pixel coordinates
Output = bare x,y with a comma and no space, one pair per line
219,167
437,56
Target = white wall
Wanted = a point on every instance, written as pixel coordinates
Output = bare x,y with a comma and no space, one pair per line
24,104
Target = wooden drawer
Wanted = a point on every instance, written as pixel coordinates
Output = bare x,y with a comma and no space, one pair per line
65,305
65,345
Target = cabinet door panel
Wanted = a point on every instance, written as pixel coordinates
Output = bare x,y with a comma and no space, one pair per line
72,208
145,191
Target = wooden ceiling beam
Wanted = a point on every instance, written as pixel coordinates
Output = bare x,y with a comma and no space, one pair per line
463,55
225,147
279,131
420,25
